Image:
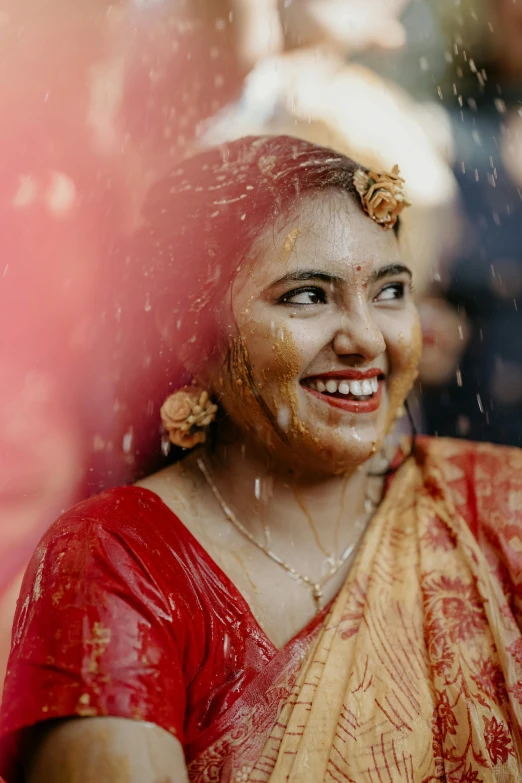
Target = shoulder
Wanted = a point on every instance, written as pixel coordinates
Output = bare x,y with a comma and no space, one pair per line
181,489
483,479
107,620
120,554
178,486
127,512
457,457
121,537
112,507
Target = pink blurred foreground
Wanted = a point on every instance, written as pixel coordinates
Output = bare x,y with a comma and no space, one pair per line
98,99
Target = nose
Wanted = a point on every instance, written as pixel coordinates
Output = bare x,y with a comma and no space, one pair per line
358,335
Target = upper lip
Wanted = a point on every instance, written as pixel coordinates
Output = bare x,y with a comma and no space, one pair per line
349,375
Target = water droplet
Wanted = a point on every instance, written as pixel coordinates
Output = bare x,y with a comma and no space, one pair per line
284,418
165,445
463,425
127,441
226,645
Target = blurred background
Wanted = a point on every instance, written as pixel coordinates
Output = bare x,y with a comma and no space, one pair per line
100,98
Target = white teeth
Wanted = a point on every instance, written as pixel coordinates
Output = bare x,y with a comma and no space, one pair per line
364,388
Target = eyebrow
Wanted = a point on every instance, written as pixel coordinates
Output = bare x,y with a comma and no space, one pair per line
301,275
391,269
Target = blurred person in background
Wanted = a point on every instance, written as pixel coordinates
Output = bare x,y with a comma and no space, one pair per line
313,88
479,395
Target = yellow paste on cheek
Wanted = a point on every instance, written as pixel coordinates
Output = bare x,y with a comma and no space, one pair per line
287,369
242,394
273,416
260,412
402,380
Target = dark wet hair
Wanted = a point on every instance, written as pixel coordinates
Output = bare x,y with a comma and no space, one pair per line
199,224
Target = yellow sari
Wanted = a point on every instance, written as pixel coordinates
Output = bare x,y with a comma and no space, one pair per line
415,674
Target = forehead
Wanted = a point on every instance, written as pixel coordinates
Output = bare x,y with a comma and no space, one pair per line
327,232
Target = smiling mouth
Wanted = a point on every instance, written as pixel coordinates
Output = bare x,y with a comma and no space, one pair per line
355,396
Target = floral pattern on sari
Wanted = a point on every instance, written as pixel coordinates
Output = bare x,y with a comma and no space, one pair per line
416,673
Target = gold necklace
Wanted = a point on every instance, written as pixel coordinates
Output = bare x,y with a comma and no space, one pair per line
316,587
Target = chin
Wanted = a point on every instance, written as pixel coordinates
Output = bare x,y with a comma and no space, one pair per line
338,451
339,443
358,452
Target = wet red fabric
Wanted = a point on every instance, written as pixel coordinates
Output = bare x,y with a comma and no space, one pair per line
123,613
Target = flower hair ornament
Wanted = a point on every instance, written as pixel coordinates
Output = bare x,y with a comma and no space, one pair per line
186,415
382,195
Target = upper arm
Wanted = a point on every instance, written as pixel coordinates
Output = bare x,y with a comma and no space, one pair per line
95,636
107,750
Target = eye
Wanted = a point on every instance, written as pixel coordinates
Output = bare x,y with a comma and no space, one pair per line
304,296
391,292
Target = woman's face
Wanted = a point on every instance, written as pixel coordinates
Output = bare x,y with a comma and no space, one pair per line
324,337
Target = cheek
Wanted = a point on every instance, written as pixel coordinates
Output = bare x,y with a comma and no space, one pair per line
276,360
404,346
259,382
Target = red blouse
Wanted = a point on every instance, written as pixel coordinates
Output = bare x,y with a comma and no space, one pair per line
123,613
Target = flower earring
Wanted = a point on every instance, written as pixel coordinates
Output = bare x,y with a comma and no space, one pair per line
186,416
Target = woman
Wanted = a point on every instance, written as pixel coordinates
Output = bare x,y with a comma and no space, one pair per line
282,604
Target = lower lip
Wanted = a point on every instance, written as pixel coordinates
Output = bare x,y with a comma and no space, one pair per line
352,406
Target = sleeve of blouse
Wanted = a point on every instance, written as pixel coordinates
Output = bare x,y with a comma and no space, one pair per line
93,636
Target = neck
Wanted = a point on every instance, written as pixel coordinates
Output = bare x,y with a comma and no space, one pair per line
303,518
